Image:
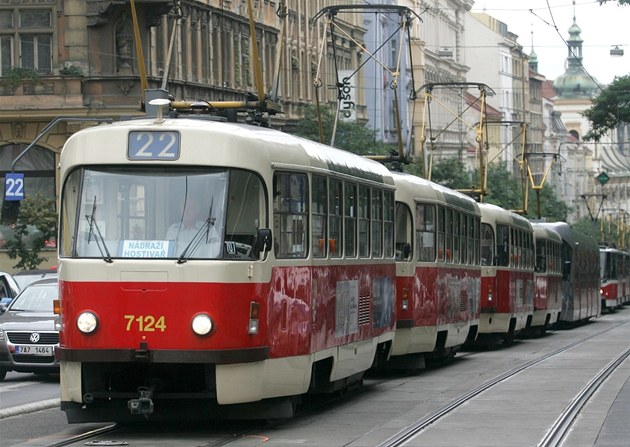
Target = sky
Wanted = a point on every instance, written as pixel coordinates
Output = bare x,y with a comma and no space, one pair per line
547,25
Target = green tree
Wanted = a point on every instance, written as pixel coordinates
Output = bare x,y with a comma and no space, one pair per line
350,136
588,226
504,189
609,109
36,223
450,172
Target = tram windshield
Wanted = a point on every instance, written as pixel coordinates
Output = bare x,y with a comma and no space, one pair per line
162,213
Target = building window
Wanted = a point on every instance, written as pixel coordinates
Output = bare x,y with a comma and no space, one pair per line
38,167
26,39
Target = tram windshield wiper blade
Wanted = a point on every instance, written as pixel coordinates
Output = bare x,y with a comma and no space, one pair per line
98,236
195,242
198,237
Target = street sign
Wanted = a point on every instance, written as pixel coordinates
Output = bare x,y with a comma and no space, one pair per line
14,186
603,178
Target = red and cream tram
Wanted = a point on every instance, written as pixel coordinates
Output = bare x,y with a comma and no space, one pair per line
205,265
438,270
611,263
547,276
507,273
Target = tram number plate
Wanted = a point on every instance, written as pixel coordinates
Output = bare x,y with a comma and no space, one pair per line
34,350
145,145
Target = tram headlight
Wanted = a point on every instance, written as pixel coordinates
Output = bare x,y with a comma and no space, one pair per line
87,322
202,324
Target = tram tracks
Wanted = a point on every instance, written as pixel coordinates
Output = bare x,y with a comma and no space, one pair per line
267,432
556,434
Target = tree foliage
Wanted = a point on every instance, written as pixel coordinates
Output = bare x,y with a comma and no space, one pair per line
504,189
350,136
37,223
450,172
621,2
609,109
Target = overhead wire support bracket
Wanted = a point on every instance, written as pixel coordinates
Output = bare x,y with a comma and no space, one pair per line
427,156
330,12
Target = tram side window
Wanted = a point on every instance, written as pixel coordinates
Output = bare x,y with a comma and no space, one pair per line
68,219
335,211
388,224
364,221
319,209
477,241
290,215
567,259
441,236
463,241
514,248
246,214
456,236
541,256
425,232
448,213
377,224
503,245
403,233
470,240
530,252
350,220
487,245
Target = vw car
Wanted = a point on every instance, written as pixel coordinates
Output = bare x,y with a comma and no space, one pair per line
29,331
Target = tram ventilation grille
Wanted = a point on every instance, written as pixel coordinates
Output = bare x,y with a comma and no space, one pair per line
364,310
463,301
45,338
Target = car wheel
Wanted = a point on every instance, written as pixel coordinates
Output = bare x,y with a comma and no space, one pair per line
3,374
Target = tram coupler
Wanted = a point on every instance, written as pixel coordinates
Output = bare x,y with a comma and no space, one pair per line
144,404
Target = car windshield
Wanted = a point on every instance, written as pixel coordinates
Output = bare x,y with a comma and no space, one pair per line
23,279
36,298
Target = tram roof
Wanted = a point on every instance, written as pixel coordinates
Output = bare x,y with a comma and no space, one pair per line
573,236
420,189
544,232
490,212
239,145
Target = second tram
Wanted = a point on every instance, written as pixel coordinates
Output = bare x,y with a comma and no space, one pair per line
438,270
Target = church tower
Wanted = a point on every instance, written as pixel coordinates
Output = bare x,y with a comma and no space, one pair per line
576,82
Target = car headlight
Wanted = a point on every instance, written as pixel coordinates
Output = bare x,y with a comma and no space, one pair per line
87,322
202,324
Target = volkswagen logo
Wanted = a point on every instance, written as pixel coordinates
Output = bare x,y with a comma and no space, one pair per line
34,337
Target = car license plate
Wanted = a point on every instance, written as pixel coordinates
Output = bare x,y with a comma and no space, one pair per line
34,350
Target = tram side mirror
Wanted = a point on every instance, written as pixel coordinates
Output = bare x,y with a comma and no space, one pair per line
264,240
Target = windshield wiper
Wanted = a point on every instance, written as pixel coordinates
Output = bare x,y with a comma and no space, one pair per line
98,237
198,238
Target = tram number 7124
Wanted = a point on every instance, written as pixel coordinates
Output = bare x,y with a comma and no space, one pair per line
145,323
